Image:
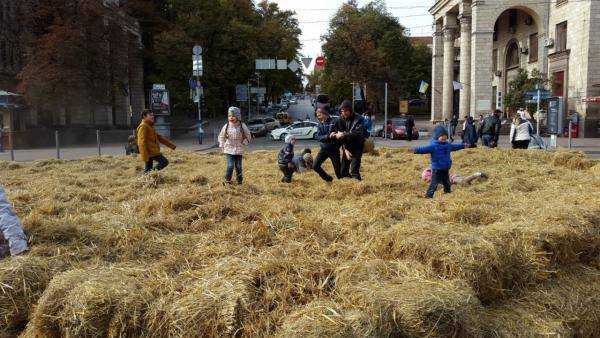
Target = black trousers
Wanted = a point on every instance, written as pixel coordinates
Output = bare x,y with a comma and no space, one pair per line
162,163
520,144
351,166
409,133
437,177
332,153
287,173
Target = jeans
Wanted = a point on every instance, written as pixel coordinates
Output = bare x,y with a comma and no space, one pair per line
11,228
234,161
162,163
287,173
351,166
488,140
332,153
439,176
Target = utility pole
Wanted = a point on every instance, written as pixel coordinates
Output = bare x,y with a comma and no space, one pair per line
198,69
386,112
353,96
539,94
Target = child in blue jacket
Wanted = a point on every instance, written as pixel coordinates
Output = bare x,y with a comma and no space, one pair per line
441,162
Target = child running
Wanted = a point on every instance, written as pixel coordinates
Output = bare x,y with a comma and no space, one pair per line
441,162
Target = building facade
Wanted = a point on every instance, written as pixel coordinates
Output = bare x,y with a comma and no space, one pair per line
482,44
128,97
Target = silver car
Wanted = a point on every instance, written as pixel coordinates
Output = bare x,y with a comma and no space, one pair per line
260,126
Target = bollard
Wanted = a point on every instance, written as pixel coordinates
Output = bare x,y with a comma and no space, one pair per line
57,144
12,146
570,137
98,142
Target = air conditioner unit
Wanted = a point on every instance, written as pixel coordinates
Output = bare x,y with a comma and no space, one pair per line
499,73
548,42
524,50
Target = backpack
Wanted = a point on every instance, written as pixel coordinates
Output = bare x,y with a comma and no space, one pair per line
245,139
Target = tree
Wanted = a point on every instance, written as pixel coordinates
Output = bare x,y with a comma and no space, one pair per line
73,57
523,82
369,46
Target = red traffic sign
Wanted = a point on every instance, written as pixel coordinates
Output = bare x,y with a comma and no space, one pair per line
320,62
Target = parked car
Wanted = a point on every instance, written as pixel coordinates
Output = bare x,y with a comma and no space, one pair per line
396,130
260,126
303,130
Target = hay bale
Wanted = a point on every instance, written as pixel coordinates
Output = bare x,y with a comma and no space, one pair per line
316,319
567,306
22,281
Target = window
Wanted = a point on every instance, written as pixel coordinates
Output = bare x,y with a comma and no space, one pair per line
495,60
558,86
512,55
533,47
561,37
512,20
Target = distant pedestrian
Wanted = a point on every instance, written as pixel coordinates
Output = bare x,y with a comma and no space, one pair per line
453,126
368,124
441,161
409,125
490,131
469,133
11,229
330,147
520,133
132,147
350,132
233,137
149,143
285,159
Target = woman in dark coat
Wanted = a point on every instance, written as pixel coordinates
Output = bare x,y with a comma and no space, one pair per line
470,133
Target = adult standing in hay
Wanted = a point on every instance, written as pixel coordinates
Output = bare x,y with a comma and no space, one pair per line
149,143
350,132
11,228
233,137
330,147
520,133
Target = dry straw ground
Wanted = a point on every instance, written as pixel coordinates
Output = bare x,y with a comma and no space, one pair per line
175,254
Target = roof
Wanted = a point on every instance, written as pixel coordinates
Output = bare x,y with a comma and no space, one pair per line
421,40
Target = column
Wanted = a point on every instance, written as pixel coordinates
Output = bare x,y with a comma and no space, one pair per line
448,88
482,32
437,76
465,65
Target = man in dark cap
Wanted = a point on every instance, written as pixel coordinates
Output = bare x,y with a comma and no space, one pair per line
350,134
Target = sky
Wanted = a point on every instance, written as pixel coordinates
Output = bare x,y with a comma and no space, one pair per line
314,16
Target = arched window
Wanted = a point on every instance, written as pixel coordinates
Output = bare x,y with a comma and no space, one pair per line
512,55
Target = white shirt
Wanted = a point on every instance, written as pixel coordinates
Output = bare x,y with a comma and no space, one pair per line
520,132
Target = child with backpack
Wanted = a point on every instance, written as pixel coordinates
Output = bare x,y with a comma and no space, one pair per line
233,137
441,162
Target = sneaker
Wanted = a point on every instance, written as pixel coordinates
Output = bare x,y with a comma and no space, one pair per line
484,176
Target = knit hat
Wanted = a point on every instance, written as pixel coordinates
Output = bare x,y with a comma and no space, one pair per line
289,138
439,131
234,111
346,104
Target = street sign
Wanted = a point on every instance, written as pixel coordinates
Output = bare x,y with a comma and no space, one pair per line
265,64
197,50
258,90
306,62
545,93
158,86
403,106
293,66
320,62
282,64
241,92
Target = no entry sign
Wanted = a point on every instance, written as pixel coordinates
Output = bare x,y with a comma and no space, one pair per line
320,62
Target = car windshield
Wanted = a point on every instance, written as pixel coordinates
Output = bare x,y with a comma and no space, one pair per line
399,122
254,122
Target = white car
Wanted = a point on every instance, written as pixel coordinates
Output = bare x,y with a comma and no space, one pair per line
304,130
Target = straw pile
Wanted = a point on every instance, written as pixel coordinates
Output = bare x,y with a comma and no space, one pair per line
115,253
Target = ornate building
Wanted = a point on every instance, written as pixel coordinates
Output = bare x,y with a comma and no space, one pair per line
482,44
130,97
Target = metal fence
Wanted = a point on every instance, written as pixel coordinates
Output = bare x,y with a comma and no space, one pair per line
61,149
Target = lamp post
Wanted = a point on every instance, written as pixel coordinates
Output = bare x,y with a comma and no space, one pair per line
198,69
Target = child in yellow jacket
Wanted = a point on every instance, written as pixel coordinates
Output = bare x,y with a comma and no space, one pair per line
149,143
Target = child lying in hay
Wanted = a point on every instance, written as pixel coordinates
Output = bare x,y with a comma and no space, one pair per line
11,229
441,162
456,178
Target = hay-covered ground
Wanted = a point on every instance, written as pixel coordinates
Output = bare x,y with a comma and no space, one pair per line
120,254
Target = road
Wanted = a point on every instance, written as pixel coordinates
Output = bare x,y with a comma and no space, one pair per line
301,111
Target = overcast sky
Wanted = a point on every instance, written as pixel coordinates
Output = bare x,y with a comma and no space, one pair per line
314,16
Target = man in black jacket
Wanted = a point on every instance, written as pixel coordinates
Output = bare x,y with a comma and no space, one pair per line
330,147
349,131
409,124
490,130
